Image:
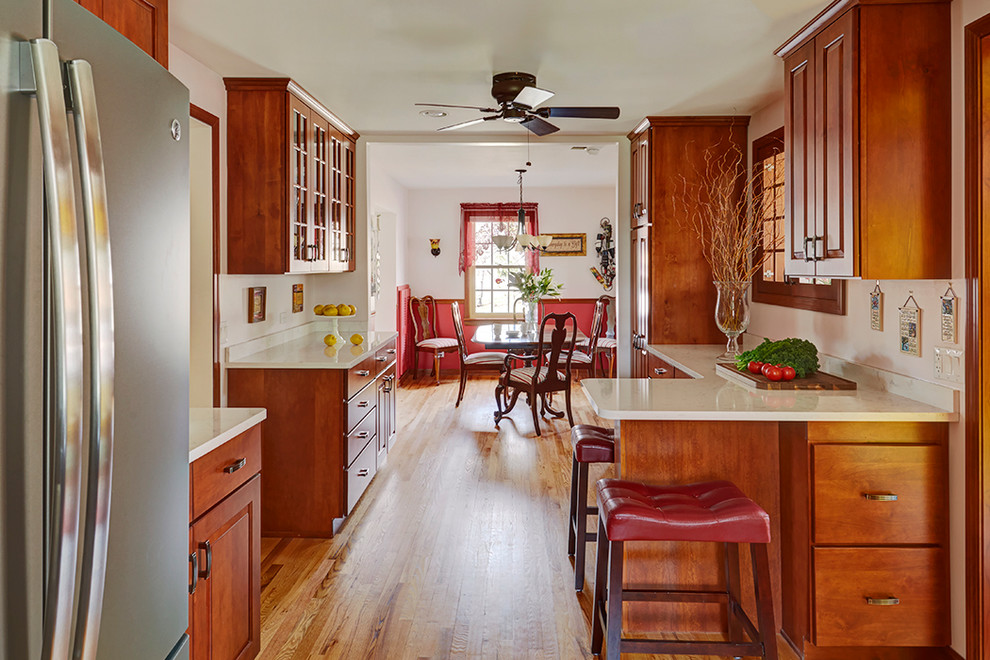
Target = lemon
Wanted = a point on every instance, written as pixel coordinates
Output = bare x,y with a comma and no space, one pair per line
357,339
318,310
329,310
353,309
330,340
343,310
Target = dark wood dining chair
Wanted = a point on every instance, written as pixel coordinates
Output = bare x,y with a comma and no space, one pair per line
481,361
605,346
425,337
586,350
539,379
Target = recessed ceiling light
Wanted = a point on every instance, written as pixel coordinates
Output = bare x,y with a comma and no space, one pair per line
433,113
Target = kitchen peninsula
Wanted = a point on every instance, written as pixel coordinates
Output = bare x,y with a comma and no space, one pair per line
855,483
331,420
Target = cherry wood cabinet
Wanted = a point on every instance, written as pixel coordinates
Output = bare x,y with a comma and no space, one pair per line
864,522
291,185
320,443
225,550
866,133
144,22
673,295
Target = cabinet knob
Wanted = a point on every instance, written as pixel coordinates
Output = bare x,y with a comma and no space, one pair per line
880,497
885,602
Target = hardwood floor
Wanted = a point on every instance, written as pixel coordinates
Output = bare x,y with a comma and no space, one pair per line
456,550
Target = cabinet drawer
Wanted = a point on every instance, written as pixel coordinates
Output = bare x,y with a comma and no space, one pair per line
362,433
361,405
360,375
657,368
219,473
385,356
846,577
855,487
359,475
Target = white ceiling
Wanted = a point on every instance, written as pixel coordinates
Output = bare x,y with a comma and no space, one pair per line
371,60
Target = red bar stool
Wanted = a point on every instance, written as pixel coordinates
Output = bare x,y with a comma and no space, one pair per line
591,444
714,511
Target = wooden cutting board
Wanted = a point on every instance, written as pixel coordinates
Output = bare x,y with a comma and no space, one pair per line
816,381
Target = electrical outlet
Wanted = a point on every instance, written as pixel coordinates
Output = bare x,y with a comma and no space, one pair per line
949,364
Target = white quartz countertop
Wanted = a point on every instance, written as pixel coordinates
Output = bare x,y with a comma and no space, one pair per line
211,427
309,352
709,396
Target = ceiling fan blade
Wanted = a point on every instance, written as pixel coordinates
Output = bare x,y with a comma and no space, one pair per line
465,124
539,126
532,96
472,107
582,112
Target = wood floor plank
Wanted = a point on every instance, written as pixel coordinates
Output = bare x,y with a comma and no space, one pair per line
456,550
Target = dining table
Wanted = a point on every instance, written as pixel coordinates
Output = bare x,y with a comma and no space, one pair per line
514,337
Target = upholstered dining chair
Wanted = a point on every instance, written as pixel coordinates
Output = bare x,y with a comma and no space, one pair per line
539,379
586,349
606,346
425,338
481,361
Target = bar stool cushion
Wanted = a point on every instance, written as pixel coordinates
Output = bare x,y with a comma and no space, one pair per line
593,444
707,511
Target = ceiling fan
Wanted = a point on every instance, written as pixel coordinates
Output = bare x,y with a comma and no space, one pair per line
518,98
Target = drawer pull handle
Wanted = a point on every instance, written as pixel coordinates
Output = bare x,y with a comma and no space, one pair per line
362,404
390,351
194,560
364,372
208,549
880,497
659,371
363,434
381,358
363,472
234,467
883,601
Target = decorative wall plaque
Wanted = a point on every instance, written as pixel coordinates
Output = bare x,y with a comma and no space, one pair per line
910,326
256,304
948,312
566,245
876,308
297,298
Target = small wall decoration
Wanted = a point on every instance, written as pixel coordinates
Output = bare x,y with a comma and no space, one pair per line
910,326
297,298
257,304
567,245
435,247
876,308
948,310
605,249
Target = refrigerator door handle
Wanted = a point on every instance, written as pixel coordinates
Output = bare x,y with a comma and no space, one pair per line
66,331
101,357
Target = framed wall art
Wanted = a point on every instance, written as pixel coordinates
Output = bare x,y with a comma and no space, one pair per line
257,304
909,327
297,298
567,245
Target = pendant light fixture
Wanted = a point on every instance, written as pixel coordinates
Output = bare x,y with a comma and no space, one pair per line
522,240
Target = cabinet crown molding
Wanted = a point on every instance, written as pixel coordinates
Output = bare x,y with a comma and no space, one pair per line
700,120
288,84
830,13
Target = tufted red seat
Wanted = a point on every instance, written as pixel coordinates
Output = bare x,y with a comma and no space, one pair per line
593,444
708,511
712,511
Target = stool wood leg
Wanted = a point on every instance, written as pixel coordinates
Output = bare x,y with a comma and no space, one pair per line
733,589
764,599
572,517
597,609
614,624
582,526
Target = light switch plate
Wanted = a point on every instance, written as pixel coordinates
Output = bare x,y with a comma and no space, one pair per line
949,364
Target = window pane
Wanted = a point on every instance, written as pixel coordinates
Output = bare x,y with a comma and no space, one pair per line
500,302
482,279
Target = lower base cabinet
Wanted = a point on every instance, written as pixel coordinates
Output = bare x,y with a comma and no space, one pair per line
225,551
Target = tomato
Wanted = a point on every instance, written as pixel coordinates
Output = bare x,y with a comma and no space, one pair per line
788,372
773,372
754,367
763,369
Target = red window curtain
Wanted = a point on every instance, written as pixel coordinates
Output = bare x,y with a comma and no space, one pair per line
495,212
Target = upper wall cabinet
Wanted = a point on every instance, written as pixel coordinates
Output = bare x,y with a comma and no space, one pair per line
145,22
290,181
867,134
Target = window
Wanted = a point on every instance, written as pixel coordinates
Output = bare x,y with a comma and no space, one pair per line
489,293
770,285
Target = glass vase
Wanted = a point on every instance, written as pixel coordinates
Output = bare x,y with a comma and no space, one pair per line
531,314
731,315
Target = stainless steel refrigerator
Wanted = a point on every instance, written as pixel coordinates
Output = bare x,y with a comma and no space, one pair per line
94,385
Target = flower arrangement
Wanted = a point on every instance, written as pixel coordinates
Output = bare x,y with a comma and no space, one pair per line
534,286
725,210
